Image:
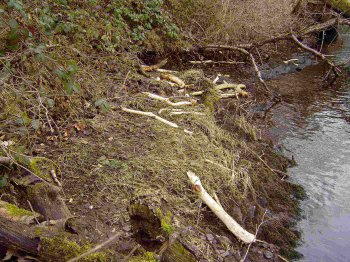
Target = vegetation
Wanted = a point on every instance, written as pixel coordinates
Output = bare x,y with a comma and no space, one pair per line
67,68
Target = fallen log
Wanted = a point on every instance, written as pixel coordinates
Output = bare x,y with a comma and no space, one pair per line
18,236
230,223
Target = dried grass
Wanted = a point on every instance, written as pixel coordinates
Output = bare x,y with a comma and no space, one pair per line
233,21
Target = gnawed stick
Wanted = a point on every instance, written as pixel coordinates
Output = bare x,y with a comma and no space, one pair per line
167,100
237,87
150,114
258,73
154,67
173,79
216,62
230,223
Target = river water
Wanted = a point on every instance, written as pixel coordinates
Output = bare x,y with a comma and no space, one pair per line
316,131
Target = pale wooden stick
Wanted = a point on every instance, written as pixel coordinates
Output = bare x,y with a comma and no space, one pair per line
54,178
174,79
230,223
167,100
34,213
215,62
151,115
230,86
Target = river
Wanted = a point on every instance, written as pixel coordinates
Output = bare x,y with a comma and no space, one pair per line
316,131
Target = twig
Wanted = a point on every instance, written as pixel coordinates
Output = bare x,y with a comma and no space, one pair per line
98,247
54,178
318,54
151,115
125,259
216,62
256,233
34,213
258,73
282,258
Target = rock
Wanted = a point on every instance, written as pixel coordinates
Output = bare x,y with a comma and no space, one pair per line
210,237
268,254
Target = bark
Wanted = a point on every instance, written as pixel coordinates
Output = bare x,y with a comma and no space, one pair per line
18,236
46,200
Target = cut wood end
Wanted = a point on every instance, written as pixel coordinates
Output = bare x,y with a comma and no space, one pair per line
194,179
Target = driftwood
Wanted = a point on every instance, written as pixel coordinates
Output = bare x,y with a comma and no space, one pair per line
230,223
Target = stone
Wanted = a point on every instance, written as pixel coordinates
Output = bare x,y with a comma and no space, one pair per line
268,254
210,237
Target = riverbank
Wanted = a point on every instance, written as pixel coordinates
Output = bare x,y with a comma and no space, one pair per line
120,137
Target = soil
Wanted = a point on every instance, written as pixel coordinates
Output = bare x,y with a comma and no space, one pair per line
113,158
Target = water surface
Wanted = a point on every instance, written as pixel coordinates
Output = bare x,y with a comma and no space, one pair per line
314,127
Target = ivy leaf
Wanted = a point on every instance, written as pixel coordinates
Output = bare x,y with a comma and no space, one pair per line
50,102
71,87
103,105
13,24
3,181
35,124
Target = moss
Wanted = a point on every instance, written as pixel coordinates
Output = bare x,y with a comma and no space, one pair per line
177,252
59,248
146,257
41,167
211,96
16,211
38,231
299,192
291,254
165,221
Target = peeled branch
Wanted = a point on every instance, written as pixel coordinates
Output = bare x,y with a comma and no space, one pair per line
173,79
167,100
230,223
150,114
154,67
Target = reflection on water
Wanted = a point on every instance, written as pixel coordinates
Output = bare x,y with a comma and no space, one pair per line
321,147
316,130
